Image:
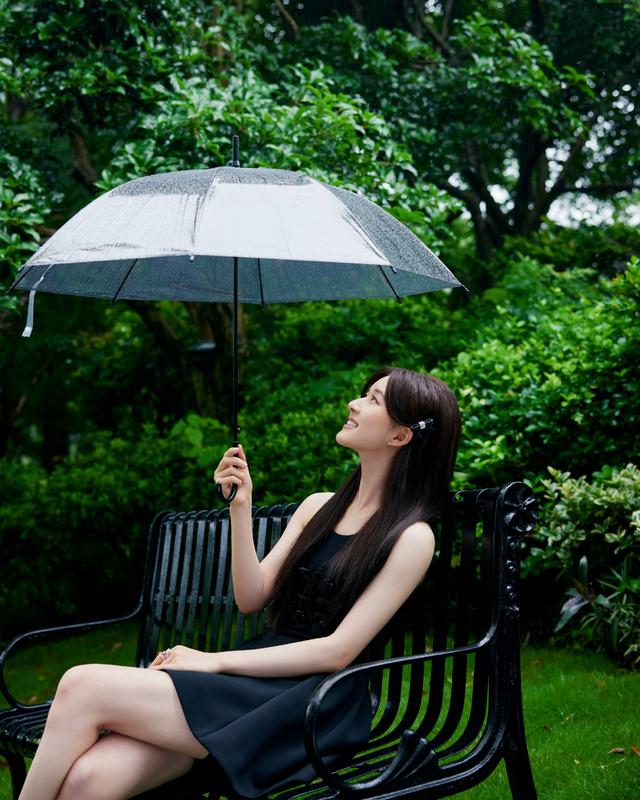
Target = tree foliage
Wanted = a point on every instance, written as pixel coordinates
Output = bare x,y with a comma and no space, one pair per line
590,534
466,121
505,109
489,114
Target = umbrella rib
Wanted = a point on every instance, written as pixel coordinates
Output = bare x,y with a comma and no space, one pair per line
398,298
199,206
260,279
19,277
115,296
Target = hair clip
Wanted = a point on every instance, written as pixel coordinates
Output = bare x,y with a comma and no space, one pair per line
422,427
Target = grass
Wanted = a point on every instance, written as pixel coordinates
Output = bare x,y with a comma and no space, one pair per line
578,706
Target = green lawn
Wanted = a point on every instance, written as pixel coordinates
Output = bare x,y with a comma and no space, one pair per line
577,707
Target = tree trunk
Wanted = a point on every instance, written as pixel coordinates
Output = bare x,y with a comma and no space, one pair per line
205,376
10,405
83,170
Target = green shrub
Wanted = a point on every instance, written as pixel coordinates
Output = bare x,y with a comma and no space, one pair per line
545,372
23,205
594,525
602,248
73,540
289,435
555,381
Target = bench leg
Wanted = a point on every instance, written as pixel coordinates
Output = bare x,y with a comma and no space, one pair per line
519,774
516,754
18,772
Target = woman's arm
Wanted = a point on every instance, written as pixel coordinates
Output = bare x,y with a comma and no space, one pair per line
254,580
403,571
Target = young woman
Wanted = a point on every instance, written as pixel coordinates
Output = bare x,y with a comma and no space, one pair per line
338,575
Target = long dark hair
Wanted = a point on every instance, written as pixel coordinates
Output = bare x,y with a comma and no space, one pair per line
416,489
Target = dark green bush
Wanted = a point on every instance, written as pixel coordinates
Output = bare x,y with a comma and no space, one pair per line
602,248
545,371
554,380
589,534
72,541
23,204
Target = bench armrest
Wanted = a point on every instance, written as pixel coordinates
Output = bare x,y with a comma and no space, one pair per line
57,630
414,753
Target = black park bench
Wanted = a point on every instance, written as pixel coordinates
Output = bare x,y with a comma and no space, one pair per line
446,693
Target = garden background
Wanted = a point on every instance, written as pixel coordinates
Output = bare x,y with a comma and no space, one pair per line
505,134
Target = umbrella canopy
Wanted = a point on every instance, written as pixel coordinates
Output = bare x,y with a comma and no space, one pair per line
174,237
232,234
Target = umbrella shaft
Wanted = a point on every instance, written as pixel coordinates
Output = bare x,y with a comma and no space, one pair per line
235,353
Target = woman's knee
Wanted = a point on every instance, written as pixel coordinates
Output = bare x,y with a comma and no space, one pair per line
76,679
76,687
117,767
84,781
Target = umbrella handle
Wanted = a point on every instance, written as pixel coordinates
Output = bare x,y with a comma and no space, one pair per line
232,493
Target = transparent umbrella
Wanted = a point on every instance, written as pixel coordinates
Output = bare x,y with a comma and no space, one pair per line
234,235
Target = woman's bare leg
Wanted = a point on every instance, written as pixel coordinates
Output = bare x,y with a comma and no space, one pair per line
118,767
138,703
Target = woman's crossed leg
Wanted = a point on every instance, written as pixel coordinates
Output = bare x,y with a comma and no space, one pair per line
120,767
132,703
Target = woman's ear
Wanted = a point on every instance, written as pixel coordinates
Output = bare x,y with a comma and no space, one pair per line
401,437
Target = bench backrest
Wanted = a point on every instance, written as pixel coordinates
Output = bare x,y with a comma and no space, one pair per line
470,595
188,592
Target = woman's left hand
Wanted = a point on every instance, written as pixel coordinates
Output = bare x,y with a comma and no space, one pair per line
181,657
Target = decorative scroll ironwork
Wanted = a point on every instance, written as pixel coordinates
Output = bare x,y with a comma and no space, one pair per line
521,509
520,516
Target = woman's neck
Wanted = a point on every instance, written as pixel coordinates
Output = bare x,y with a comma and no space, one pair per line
374,471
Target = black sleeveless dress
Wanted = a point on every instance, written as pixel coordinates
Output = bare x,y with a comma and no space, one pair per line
253,727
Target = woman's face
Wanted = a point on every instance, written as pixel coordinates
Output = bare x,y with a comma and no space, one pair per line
369,426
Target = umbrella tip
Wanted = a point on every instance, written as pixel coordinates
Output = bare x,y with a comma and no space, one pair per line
235,151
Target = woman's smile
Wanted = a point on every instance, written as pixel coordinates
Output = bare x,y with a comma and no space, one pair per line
367,414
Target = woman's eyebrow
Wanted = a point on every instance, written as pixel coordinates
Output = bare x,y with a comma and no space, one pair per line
377,391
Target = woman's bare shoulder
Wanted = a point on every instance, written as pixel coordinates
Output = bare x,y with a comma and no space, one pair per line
417,537
314,502
310,505
418,529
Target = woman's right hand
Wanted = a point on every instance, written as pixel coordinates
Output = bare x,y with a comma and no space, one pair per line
233,469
